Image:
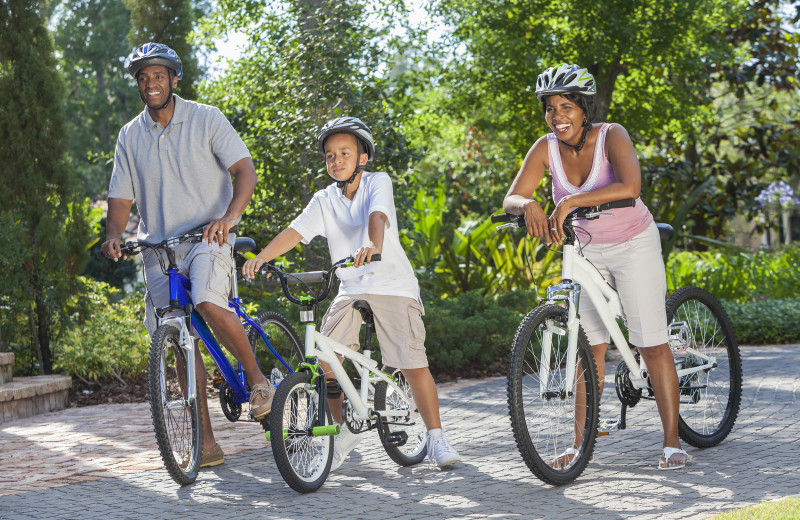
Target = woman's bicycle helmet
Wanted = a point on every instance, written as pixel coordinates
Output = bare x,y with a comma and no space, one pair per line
348,125
565,78
155,54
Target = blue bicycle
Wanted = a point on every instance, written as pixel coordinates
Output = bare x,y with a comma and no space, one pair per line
174,405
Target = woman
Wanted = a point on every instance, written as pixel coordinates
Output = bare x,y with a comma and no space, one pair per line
590,165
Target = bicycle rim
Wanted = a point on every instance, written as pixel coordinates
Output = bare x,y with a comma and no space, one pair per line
283,338
302,459
548,419
710,399
176,419
386,398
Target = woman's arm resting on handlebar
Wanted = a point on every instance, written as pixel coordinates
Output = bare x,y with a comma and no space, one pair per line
119,210
285,241
518,199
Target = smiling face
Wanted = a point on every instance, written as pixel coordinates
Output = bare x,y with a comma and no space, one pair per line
564,117
341,152
154,85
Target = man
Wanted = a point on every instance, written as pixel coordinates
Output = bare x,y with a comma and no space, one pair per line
175,160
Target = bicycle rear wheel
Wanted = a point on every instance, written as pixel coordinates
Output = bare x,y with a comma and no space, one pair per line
415,447
283,338
303,460
554,426
176,418
709,399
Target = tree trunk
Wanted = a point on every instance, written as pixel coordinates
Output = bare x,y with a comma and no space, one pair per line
605,88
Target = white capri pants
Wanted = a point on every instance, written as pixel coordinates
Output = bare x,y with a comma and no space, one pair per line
636,270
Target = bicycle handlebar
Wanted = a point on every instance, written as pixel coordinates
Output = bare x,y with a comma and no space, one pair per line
306,278
584,213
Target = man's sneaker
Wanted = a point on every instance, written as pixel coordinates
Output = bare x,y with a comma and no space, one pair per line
261,400
440,452
343,444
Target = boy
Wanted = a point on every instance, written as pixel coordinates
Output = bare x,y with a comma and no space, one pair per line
357,216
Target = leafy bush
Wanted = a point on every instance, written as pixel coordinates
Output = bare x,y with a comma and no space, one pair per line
113,343
764,322
473,330
741,276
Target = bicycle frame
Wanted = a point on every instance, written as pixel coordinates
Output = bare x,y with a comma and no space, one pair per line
179,288
326,350
578,274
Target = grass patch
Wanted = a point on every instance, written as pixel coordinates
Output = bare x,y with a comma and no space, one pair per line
786,509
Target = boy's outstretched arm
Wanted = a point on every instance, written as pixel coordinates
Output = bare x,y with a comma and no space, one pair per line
377,225
285,241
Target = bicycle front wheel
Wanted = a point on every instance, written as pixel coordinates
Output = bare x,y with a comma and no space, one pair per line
413,451
709,398
303,459
554,424
176,417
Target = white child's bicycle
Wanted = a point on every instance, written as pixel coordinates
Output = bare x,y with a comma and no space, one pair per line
301,429
553,394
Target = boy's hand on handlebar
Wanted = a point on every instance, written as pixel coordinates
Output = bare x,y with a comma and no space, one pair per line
536,222
250,267
363,255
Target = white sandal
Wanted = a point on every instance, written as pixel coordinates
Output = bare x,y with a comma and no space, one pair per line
669,452
565,453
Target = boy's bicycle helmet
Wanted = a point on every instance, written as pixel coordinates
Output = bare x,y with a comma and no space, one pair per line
348,125
155,54
565,78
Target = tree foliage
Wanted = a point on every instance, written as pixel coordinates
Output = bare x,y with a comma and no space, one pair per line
305,63
43,229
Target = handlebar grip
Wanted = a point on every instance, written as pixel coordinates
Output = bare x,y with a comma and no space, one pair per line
375,258
616,204
503,217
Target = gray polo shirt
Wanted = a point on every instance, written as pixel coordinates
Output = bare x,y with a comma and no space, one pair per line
178,176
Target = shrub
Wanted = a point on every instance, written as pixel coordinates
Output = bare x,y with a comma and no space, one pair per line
763,322
113,343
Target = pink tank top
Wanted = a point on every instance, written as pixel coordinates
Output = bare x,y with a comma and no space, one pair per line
626,223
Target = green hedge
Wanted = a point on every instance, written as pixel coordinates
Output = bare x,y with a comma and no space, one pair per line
765,322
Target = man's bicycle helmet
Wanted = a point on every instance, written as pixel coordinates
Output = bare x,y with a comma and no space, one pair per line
155,54
565,78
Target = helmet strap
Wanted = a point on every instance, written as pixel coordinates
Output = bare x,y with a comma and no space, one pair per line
342,185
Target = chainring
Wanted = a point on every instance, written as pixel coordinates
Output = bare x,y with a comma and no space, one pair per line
628,395
227,401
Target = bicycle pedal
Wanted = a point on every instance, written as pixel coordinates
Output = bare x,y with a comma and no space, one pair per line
395,438
608,427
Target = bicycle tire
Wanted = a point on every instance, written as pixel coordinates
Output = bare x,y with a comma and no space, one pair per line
543,419
303,460
284,339
176,419
711,411
415,449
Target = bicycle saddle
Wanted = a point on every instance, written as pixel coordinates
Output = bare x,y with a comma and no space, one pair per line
665,231
244,245
366,311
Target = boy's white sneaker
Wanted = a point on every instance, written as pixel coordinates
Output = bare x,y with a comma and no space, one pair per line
343,444
439,450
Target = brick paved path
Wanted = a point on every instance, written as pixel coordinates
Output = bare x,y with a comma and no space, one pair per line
101,462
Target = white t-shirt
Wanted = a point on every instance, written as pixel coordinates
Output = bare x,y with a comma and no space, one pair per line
345,223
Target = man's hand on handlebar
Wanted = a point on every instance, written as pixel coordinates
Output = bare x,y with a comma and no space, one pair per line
217,230
112,248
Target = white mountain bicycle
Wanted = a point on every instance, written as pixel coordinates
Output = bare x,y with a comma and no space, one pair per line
552,364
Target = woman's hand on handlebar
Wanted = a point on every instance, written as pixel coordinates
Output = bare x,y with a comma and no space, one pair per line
536,221
250,267
557,218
